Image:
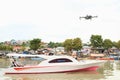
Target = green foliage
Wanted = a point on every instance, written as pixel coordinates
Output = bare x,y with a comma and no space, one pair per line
1,43
59,44
77,44
53,45
115,44
71,44
23,44
68,44
107,44
96,41
118,44
35,44
5,48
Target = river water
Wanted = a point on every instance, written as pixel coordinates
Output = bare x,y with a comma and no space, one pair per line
109,71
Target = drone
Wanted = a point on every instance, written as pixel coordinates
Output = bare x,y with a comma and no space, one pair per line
88,17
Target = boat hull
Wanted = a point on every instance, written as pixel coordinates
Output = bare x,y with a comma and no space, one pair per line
39,72
54,68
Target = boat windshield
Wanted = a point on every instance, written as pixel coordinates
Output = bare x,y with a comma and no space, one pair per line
25,61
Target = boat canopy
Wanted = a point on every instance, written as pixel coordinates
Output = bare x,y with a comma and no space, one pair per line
41,56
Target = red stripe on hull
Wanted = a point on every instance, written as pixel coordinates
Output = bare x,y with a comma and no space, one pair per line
24,68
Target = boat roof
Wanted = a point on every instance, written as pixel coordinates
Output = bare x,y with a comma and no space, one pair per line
41,56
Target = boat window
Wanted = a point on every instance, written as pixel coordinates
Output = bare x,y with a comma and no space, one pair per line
60,60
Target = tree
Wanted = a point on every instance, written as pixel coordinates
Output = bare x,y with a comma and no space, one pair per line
118,44
23,44
107,44
68,45
96,41
77,44
72,44
115,44
53,45
6,48
35,43
58,44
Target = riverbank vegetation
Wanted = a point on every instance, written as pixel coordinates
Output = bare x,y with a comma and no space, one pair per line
96,41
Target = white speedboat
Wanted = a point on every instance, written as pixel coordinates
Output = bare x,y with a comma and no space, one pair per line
52,64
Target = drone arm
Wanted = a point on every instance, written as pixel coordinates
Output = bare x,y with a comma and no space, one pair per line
95,16
81,17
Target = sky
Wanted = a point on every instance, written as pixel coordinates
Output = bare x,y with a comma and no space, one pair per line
58,20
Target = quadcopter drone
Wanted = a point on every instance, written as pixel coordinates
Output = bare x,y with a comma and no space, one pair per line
88,17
